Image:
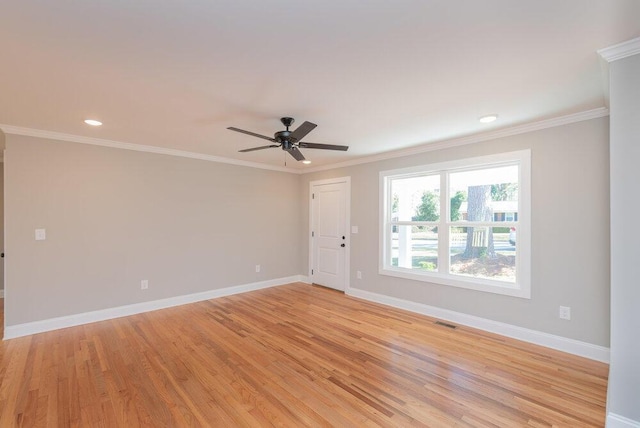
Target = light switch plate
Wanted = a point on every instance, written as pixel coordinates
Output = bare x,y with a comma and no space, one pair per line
354,229
41,234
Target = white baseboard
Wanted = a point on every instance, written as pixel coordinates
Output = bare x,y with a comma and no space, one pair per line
583,349
575,347
305,279
617,421
19,330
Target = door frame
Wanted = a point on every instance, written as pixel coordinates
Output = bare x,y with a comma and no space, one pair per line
347,227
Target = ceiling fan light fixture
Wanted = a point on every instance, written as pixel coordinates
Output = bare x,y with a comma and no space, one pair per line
488,118
92,122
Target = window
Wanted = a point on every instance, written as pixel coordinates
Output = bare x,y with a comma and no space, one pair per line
456,223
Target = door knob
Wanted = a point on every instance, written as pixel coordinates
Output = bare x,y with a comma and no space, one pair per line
342,245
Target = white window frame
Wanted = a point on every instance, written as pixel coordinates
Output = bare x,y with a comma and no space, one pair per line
522,286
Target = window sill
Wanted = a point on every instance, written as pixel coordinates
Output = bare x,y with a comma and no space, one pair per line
484,285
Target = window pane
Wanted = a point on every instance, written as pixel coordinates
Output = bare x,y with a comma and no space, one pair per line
489,194
483,252
415,198
415,247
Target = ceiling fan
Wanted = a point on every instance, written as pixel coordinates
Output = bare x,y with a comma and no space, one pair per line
290,141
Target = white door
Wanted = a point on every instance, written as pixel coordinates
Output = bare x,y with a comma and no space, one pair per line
329,237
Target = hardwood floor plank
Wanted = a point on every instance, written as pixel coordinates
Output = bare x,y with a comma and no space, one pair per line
291,356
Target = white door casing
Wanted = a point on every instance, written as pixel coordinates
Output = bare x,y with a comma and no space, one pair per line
330,242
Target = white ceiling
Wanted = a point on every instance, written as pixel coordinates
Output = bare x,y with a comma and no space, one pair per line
375,75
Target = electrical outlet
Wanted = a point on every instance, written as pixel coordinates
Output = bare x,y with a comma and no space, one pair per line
257,268
565,312
144,284
41,234
358,274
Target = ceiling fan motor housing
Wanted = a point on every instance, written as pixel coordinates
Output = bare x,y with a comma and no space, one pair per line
283,138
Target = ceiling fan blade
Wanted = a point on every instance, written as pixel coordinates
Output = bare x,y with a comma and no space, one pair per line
323,146
252,133
302,131
296,153
258,148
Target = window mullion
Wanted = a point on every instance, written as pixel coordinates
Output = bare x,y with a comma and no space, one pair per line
443,229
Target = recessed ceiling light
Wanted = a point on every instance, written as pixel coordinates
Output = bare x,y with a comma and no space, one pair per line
488,118
306,162
92,122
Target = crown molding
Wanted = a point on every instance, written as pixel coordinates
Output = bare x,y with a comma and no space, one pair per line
58,136
427,147
471,139
621,50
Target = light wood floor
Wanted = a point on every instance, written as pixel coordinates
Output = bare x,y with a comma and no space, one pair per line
293,356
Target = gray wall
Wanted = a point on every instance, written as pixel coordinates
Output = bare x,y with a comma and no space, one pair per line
2,225
114,217
624,376
570,233
2,146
